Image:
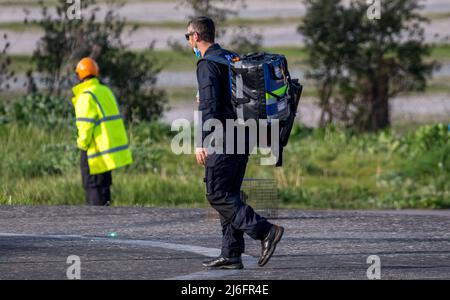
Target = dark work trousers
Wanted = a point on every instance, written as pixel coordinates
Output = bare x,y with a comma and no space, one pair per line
223,176
97,187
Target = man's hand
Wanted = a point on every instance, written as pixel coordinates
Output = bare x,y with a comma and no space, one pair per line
201,154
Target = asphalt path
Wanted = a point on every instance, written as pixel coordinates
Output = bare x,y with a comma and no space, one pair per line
159,243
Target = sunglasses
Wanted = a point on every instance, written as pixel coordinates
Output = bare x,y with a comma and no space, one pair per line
187,35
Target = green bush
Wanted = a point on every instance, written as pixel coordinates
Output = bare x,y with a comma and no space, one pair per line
39,110
426,138
323,168
335,168
46,159
131,75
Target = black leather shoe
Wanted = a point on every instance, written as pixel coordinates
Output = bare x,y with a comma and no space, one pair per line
224,263
269,243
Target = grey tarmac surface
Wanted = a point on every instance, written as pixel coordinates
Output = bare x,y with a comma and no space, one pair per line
158,243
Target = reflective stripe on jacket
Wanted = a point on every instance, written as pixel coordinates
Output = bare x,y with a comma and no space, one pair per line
101,130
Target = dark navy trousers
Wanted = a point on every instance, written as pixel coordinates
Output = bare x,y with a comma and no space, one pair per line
224,174
96,187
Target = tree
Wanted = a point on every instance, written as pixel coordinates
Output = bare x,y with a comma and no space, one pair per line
360,64
242,39
5,61
217,10
131,75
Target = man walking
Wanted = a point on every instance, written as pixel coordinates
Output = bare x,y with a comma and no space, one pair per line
224,173
102,137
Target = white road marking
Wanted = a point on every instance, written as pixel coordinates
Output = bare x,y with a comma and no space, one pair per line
249,261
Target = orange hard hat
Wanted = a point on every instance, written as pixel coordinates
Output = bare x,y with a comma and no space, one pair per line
87,67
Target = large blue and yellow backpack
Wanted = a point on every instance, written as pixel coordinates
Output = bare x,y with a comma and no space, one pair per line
262,89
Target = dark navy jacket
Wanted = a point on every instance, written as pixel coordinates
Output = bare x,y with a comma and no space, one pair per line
214,89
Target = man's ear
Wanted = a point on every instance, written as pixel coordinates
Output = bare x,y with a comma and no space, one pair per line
197,37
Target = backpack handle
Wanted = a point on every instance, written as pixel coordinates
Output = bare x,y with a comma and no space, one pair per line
254,55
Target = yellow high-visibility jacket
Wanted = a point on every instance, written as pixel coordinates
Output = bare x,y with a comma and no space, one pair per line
101,130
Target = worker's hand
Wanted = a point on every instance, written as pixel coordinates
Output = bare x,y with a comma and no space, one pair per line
201,154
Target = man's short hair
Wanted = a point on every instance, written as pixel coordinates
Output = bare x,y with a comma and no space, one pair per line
205,27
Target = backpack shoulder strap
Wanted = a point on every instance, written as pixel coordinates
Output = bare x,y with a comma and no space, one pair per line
217,59
227,58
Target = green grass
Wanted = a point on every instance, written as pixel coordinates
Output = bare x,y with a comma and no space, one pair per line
441,52
177,25
439,85
436,85
185,61
181,25
21,63
174,60
323,169
230,22
20,27
438,15
171,60
181,95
